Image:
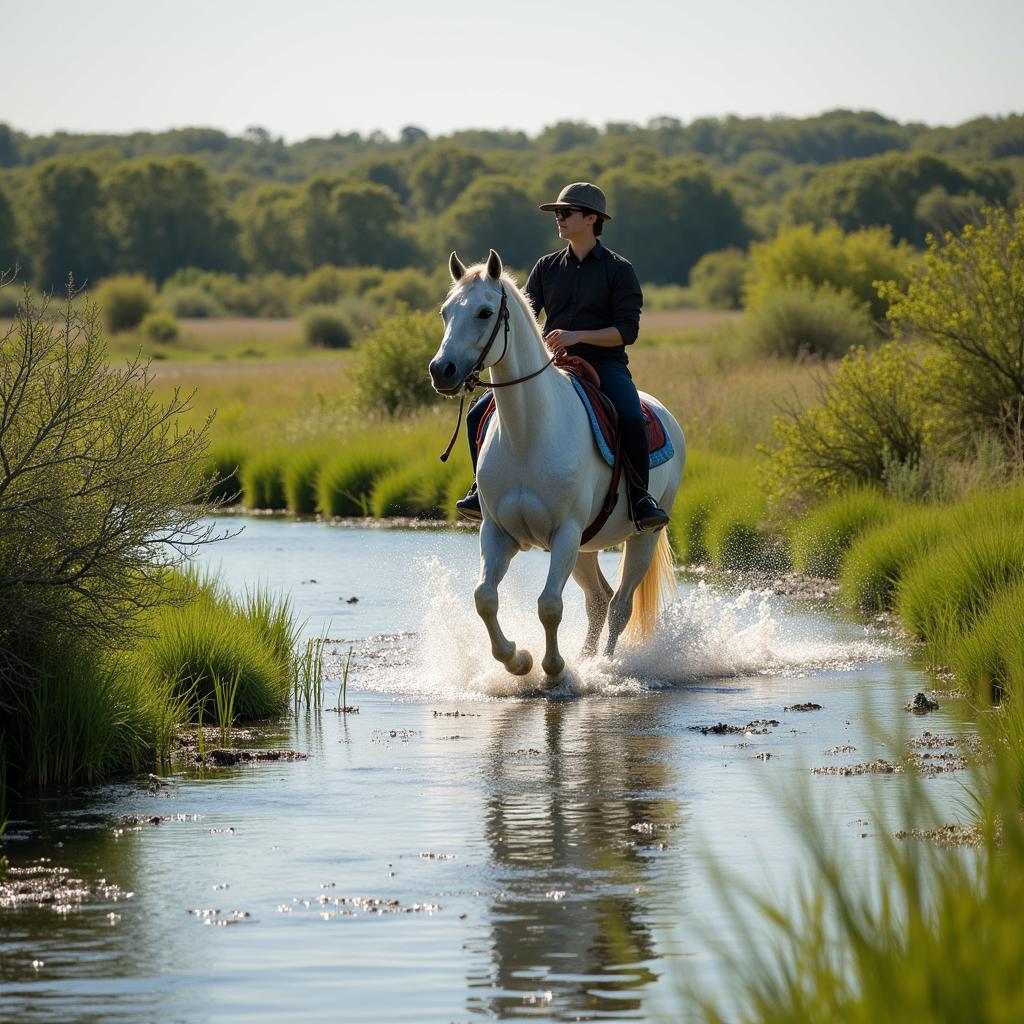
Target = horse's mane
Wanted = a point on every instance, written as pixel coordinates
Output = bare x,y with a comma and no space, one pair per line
478,272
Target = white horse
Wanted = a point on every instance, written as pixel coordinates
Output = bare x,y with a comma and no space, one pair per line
541,478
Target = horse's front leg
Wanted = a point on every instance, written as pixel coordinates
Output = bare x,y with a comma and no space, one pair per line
565,549
496,551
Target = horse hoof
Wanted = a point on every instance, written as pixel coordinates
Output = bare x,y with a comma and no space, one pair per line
521,663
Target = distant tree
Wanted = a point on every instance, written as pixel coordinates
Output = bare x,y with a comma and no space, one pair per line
167,214
65,223
886,190
9,154
441,174
411,134
496,212
557,138
8,234
271,229
666,219
371,227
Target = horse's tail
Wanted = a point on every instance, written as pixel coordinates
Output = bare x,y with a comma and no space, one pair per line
656,590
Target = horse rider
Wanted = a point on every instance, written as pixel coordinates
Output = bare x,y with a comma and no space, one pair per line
592,300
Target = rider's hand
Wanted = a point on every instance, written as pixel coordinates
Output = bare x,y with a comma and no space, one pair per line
558,341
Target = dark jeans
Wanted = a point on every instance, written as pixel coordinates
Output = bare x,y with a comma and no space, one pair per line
617,384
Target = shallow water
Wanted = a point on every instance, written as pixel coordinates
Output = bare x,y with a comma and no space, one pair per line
549,858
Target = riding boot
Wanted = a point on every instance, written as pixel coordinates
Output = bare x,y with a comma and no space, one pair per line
469,506
647,514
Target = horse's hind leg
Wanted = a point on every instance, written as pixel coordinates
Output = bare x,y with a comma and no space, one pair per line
565,547
636,559
597,592
496,551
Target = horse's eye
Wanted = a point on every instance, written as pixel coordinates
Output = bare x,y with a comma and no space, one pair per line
485,314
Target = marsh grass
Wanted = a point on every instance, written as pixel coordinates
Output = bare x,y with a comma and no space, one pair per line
944,595
343,689
222,469
418,488
262,476
345,484
224,694
308,681
931,935
821,537
300,479
989,657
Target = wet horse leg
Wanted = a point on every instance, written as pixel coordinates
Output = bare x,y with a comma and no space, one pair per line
636,559
497,549
597,592
565,548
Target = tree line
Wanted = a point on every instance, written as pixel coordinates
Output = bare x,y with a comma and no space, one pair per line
153,203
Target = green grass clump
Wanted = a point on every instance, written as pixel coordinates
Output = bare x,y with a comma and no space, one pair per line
821,538
301,473
262,479
417,488
346,481
89,716
458,486
989,658
736,534
213,637
877,558
944,594
223,462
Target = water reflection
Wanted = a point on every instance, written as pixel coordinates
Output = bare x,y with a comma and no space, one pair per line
575,818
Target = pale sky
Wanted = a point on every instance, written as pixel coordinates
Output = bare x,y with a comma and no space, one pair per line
307,67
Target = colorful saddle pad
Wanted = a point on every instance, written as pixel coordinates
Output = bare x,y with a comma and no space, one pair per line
658,442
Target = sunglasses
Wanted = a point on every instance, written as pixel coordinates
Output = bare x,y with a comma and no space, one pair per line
564,212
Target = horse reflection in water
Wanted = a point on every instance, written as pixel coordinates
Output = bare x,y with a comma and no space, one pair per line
577,815
540,476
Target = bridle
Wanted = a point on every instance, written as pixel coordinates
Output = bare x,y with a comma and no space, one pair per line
473,379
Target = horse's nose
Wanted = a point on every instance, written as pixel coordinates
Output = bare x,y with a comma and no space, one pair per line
443,373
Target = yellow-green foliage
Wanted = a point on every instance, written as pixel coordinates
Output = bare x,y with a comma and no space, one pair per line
871,415
124,301
390,371
947,591
798,320
969,301
821,537
160,326
262,477
300,478
716,279
222,468
827,257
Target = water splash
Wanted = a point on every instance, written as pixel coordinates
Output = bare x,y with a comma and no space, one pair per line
706,634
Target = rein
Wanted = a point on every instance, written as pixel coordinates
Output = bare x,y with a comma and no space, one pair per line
473,379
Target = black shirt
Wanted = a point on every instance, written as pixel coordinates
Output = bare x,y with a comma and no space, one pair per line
599,291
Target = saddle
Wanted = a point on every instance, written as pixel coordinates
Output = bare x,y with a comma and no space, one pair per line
604,423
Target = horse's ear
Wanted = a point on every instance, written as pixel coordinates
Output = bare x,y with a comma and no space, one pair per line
494,265
455,267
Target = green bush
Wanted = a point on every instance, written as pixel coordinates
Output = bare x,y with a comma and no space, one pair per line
190,301
969,301
390,371
327,285
327,326
872,415
160,326
948,591
737,536
717,278
828,258
821,538
124,301
262,478
410,288
800,320
346,481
